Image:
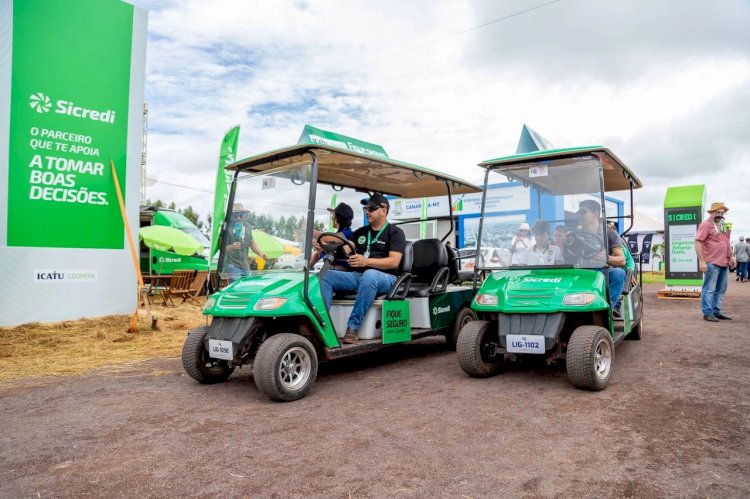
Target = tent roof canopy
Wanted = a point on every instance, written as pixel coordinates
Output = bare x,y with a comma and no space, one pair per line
364,172
617,176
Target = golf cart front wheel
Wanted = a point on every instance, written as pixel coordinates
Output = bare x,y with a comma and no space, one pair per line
476,349
590,358
198,364
285,367
464,316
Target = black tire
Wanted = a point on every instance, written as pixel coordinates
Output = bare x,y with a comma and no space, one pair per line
198,364
637,331
464,316
590,358
285,367
473,349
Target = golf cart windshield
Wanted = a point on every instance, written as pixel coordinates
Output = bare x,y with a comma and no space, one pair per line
563,226
266,225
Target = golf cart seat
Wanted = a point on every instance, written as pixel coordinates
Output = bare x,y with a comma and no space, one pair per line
429,271
400,288
457,275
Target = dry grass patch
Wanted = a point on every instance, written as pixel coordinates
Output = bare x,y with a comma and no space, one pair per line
76,347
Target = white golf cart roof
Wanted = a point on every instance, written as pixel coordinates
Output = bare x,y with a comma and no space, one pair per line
617,176
364,172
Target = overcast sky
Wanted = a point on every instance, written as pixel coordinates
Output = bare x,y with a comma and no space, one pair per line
446,84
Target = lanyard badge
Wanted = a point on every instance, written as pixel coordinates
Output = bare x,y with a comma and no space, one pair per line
366,254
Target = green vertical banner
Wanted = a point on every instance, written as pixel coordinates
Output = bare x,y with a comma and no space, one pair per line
227,154
69,104
423,225
333,206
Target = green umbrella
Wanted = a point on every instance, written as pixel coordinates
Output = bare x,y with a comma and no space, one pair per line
266,243
165,238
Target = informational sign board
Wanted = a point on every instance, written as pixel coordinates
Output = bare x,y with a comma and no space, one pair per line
683,211
71,100
396,322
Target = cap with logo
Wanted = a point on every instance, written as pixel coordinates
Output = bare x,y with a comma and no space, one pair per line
377,200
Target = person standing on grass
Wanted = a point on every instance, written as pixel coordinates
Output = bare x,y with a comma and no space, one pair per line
742,255
714,259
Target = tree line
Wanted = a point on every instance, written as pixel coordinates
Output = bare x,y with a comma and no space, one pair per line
285,227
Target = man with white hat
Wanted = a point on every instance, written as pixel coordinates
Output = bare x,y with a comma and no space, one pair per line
714,259
742,255
239,240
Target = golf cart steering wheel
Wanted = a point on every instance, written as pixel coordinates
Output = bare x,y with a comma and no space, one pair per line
583,244
332,246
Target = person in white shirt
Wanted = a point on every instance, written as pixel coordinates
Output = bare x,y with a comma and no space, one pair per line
521,242
541,252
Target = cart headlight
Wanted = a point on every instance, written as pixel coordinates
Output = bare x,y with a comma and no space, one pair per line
579,299
209,304
269,303
486,299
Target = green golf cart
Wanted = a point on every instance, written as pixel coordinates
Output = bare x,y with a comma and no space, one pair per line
546,294
275,319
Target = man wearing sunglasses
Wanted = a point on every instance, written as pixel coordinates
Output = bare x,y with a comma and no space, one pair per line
380,247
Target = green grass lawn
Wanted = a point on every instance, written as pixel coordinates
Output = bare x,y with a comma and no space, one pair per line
653,277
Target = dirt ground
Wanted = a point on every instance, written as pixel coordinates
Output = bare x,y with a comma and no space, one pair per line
404,423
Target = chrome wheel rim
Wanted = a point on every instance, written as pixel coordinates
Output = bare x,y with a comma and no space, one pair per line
294,368
602,359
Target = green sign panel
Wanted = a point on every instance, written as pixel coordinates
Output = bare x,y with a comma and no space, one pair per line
683,210
312,135
69,116
396,321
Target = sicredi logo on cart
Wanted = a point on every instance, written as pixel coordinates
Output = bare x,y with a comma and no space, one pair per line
41,103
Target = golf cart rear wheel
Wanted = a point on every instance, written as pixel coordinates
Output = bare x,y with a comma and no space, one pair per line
198,364
285,367
464,316
590,358
476,349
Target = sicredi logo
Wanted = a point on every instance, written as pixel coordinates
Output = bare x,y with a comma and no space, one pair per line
440,310
61,276
41,103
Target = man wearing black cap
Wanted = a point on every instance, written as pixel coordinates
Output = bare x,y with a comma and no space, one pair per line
380,247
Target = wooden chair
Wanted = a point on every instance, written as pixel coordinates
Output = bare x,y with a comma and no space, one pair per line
196,287
178,286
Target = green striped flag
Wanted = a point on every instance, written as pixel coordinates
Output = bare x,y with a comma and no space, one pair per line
223,179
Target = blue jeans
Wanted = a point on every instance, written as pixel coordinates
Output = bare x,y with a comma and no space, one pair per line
714,287
742,270
367,284
616,284
235,272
